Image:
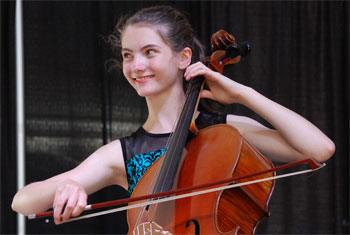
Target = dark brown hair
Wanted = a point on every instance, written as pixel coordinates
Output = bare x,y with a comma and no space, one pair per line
171,25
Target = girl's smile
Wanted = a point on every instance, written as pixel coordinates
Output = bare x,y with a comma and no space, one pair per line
142,79
149,64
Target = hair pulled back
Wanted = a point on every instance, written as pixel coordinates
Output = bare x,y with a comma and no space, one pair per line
171,24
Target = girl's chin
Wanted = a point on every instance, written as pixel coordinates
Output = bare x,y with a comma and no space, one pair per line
147,92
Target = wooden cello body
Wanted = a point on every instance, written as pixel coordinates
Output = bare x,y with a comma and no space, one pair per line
217,152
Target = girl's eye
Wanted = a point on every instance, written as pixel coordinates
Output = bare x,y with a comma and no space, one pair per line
150,52
126,55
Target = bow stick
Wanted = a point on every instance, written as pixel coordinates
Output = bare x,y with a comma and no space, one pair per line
186,192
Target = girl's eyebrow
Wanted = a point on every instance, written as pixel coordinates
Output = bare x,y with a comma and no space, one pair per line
142,48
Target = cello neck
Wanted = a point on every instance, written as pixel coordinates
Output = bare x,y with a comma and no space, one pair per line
177,141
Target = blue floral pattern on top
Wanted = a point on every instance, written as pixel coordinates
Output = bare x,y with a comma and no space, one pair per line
139,164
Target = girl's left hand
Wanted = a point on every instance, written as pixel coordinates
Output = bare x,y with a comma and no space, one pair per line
222,89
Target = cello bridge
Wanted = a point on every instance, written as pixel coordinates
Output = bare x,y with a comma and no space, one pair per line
150,228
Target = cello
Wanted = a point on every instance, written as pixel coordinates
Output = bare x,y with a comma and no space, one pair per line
213,153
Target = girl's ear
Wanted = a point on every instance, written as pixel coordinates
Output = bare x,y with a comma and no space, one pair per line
185,58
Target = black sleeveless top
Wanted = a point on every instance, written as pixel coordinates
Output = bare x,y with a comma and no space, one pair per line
141,149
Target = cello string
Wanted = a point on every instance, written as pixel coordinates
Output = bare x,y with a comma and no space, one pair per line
168,170
172,138
178,136
157,201
175,138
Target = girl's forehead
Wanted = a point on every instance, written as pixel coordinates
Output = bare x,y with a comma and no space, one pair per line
141,34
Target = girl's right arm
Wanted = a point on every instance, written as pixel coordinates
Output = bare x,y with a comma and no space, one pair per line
67,193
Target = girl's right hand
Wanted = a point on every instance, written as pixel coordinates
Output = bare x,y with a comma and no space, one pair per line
70,200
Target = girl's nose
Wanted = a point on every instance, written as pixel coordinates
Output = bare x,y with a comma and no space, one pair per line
139,64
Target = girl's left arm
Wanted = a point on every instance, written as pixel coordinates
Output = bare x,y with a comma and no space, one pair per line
294,137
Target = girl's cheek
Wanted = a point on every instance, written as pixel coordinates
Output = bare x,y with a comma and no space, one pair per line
126,71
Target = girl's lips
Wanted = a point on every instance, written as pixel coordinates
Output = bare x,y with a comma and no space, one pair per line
143,79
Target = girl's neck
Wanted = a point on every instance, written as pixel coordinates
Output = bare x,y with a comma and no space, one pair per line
163,111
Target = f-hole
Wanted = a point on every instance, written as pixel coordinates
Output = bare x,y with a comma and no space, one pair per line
196,224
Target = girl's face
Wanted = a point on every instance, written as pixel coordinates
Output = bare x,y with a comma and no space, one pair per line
149,64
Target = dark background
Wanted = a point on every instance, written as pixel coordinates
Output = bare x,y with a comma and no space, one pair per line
299,58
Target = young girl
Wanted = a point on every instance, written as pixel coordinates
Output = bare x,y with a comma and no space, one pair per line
160,53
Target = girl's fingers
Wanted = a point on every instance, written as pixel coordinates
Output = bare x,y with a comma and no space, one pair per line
58,208
198,70
70,205
59,202
57,214
80,206
192,70
70,200
207,94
